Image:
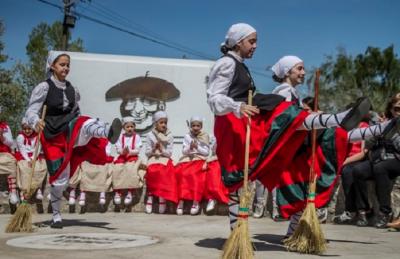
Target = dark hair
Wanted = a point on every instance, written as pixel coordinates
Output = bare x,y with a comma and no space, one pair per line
389,106
277,79
309,101
61,55
224,49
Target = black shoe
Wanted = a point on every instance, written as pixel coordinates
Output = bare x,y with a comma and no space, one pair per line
383,219
362,220
279,218
56,224
356,114
115,130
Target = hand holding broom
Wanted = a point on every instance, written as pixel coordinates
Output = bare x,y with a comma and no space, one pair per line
22,219
238,245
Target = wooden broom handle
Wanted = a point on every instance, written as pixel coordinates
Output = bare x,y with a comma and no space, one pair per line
247,144
312,180
35,154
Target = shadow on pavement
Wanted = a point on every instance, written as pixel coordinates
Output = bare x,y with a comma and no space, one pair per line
217,243
77,222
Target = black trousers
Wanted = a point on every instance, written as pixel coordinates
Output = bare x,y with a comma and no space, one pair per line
349,186
383,173
362,172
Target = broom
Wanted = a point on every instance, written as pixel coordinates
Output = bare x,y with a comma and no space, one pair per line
238,245
22,219
308,237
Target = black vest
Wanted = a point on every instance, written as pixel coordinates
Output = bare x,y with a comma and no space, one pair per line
57,117
55,99
241,82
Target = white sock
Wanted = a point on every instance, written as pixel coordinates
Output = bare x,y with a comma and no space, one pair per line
82,196
72,194
96,128
233,205
56,192
102,195
322,121
294,222
367,133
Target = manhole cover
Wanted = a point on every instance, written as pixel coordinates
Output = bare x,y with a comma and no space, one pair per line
82,241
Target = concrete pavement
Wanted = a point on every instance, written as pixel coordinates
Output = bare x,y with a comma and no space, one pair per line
196,237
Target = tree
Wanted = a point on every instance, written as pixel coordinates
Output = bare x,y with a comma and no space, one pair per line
374,74
42,39
12,94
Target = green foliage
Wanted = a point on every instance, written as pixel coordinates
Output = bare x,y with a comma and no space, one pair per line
12,95
375,74
16,84
42,39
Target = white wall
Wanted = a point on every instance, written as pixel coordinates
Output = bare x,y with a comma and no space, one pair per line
94,74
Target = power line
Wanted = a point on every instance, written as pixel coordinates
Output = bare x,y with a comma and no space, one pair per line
147,38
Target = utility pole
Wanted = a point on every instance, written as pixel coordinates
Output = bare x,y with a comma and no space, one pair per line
69,21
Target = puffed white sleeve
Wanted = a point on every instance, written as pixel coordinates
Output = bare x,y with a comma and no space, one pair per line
203,148
220,79
36,101
118,145
149,145
167,151
186,145
8,138
138,146
22,148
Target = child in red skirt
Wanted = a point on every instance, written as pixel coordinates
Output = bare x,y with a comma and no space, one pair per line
128,147
7,160
26,141
191,169
160,176
215,190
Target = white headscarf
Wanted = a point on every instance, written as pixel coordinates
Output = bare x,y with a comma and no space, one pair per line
159,115
196,118
128,119
237,33
50,60
282,67
24,121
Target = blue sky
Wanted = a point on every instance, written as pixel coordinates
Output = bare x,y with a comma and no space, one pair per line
310,29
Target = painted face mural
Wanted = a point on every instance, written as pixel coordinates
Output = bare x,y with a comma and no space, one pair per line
142,97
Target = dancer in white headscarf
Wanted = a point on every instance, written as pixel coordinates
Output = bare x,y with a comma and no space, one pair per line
64,128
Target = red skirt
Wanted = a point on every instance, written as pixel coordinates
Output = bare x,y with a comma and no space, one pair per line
191,180
121,159
215,188
273,143
60,151
161,181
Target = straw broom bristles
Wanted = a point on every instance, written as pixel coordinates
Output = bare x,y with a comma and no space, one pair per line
22,219
308,237
238,245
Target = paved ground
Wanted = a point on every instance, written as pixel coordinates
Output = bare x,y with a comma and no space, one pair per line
197,237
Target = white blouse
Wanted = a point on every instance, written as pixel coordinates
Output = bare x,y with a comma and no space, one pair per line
219,80
25,149
202,148
166,150
286,91
38,97
8,139
128,143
